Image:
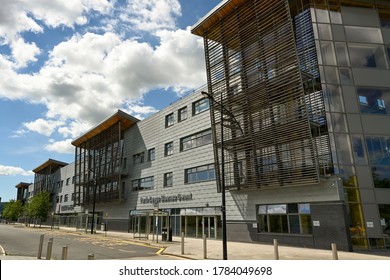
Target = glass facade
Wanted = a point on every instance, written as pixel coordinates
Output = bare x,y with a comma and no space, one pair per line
292,218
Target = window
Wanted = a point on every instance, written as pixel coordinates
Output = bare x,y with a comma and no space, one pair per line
195,140
169,120
146,183
168,179
285,218
169,149
151,154
381,176
66,198
361,34
378,148
183,114
138,158
67,181
73,196
384,215
363,55
374,100
200,106
200,174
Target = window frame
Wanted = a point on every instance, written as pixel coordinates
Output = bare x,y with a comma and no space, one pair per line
168,149
169,120
196,172
141,184
196,140
198,104
138,158
152,154
168,179
180,114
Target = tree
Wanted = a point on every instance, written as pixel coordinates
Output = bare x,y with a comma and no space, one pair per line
38,206
13,210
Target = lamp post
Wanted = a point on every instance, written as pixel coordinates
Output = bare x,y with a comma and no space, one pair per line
94,200
222,180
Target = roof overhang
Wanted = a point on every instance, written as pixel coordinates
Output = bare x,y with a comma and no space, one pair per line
211,18
22,184
50,162
125,119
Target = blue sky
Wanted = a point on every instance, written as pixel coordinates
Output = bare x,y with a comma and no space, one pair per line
65,66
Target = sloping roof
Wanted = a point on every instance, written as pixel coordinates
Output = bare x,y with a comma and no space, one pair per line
22,184
220,11
120,116
50,162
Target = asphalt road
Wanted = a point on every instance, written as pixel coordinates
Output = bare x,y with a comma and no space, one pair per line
18,240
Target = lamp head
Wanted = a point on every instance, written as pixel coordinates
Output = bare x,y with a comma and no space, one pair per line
206,94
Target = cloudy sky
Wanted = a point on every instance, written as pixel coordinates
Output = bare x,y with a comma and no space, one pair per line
67,65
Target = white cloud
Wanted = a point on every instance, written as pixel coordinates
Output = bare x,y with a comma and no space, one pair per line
151,15
62,147
13,170
44,127
23,52
87,77
18,16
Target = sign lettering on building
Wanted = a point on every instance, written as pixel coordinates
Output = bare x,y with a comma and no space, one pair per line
155,200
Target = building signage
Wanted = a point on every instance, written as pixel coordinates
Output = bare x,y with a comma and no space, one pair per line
316,223
65,208
166,199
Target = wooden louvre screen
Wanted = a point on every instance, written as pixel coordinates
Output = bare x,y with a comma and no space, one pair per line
254,78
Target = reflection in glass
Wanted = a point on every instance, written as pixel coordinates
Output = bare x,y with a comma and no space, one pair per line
352,194
378,150
384,214
324,31
328,53
306,224
304,208
348,176
294,224
273,209
374,100
331,75
381,176
343,148
372,56
359,34
334,97
339,122
356,227
278,223
358,149
345,76
342,54
322,15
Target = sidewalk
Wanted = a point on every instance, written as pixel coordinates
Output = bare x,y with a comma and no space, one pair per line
194,249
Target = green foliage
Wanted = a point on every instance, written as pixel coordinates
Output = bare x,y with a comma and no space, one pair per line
13,210
39,206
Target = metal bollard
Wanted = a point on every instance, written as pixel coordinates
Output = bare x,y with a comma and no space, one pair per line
49,248
182,243
204,246
334,251
64,253
40,246
276,250
91,257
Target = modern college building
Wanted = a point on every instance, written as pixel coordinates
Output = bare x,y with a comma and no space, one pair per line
298,123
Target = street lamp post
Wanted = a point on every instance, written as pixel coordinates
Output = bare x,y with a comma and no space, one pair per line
222,180
94,200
